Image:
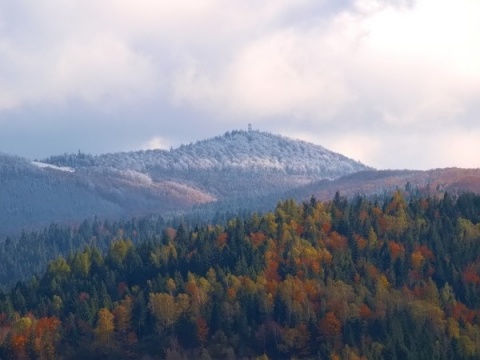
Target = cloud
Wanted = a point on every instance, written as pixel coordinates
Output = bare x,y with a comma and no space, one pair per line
93,50
100,68
156,142
445,147
282,74
419,61
94,66
287,72
401,61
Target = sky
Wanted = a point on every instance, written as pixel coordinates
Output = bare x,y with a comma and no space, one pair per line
394,84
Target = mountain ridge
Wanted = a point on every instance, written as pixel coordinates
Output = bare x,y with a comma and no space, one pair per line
237,149
238,167
248,170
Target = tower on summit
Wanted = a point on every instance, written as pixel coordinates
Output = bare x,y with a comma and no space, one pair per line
249,127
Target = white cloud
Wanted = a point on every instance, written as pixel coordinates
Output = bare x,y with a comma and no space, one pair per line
421,62
289,72
55,60
115,49
101,68
402,61
156,142
444,147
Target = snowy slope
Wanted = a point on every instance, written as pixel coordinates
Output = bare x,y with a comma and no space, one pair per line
241,150
50,166
238,164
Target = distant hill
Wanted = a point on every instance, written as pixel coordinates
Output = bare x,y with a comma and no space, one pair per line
238,167
238,163
377,182
34,194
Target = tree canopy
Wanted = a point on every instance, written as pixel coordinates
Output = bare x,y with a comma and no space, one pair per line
353,279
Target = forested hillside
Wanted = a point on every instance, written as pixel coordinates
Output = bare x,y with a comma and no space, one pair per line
33,195
433,183
238,164
235,169
353,279
247,150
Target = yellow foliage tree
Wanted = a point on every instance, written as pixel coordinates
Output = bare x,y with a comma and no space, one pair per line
163,308
105,327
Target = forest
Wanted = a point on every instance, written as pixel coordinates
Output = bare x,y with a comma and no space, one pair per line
345,279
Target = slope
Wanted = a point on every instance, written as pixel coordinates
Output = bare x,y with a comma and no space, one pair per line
33,195
236,164
367,183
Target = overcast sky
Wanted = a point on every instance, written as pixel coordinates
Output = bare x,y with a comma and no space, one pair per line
392,83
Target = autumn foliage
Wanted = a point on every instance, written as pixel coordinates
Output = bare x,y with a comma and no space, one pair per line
347,279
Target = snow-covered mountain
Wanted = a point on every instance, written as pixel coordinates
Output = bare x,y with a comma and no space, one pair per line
237,167
224,166
241,150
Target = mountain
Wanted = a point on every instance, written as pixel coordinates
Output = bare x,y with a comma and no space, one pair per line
238,167
239,163
250,170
